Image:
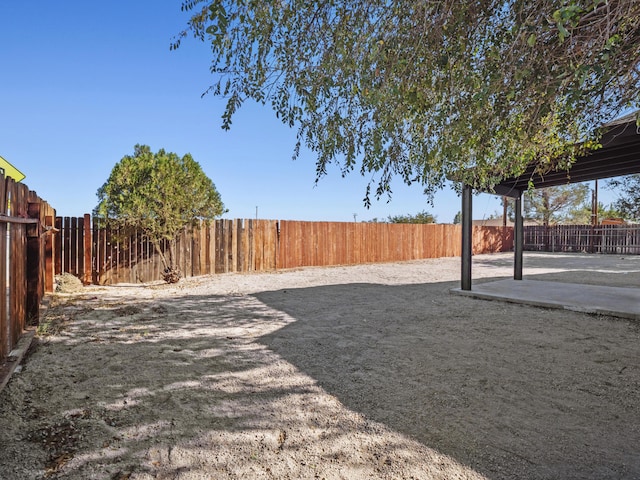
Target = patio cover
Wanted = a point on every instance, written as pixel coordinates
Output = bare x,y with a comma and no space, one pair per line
618,156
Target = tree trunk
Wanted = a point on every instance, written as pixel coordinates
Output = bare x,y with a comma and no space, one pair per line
170,274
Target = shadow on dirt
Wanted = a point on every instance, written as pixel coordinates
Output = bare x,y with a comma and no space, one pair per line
510,390
142,389
122,386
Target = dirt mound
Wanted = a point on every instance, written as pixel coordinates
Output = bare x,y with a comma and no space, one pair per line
67,283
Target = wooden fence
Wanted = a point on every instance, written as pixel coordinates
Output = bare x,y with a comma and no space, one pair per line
612,239
26,268
102,256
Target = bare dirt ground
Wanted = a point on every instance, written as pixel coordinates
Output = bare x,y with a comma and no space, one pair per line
371,371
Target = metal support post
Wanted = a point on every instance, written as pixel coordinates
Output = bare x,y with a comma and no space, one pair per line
518,239
467,237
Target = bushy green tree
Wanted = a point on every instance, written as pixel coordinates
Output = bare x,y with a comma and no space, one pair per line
427,89
420,217
159,194
628,192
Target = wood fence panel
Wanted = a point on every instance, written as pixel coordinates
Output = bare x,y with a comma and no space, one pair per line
121,267
263,245
297,241
258,245
96,252
196,269
79,257
26,274
34,269
445,239
346,232
188,252
58,246
346,237
267,245
228,245
49,250
292,254
300,243
180,253
124,265
283,244
108,257
250,247
87,243
66,245
233,260
204,248
220,246
212,247
359,243
132,257
104,257
4,263
240,246
305,244
286,256
74,246
148,272
430,240
155,259
18,294
322,246
236,241
141,253
608,239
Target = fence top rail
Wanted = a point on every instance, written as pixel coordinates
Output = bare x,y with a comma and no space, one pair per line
8,219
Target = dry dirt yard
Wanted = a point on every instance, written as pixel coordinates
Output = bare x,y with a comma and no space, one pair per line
361,372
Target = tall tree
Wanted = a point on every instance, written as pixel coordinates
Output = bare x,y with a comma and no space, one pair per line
426,90
553,205
628,201
159,194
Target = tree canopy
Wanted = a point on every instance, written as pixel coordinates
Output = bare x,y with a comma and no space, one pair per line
553,205
420,217
427,90
628,191
159,194
584,214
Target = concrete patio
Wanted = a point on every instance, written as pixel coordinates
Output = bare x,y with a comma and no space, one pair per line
597,299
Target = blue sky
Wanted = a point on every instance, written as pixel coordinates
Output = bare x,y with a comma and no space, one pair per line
82,82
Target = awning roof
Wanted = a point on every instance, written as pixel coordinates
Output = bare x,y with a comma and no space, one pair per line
619,155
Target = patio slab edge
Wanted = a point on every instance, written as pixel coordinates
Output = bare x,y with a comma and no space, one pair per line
536,293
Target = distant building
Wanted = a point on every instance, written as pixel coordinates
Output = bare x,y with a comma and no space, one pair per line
497,222
612,221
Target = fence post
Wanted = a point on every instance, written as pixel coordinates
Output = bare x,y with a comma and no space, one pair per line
86,236
49,253
34,272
